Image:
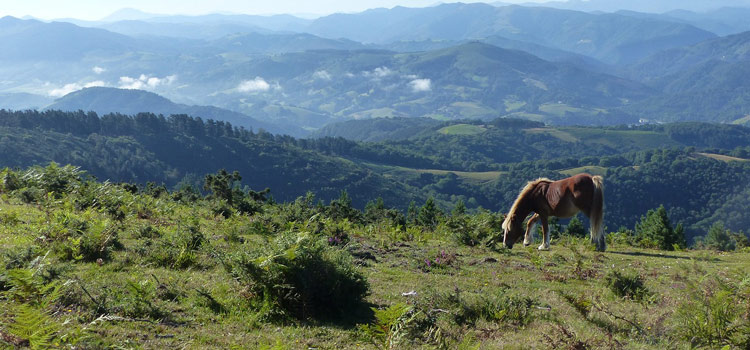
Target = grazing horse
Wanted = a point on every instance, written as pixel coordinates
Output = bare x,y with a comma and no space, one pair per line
563,198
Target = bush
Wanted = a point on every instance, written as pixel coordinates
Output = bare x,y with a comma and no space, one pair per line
626,285
482,228
713,316
300,276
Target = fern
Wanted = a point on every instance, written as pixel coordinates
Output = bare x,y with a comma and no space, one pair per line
389,326
33,324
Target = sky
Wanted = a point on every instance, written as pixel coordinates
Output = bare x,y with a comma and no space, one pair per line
98,9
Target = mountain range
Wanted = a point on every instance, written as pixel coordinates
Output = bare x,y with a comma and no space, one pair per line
451,61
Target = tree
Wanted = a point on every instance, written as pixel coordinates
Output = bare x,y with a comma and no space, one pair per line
719,238
575,228
459,209
411,213
655,231
429,213
341,208
222,185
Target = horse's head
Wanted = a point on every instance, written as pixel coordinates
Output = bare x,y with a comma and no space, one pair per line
511,232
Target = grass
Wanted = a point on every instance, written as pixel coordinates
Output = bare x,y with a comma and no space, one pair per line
617,138
475,176
591,169
742,121
557,133
559,109
463,129
494,299
722,157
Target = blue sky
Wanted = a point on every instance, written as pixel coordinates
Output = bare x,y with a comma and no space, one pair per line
97,9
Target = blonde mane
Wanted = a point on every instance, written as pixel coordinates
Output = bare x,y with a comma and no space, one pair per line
529,186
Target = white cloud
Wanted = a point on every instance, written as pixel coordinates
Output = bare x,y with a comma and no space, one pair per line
72,87
98,70
257,84
145,82
322,75
418,85
377,73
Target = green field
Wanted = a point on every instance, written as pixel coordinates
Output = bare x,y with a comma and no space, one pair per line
722,157
463,129
557,133
591,169
147,272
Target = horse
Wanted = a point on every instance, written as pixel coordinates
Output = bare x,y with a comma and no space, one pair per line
562,198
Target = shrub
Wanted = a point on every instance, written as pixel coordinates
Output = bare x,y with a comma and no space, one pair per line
437,261
494,307
389,327
177,249
626,285
714,318
300,276
482,228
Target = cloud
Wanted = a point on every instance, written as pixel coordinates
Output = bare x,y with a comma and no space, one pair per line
257,84
98,70
377,73
145,82
322,75
419,85
72,87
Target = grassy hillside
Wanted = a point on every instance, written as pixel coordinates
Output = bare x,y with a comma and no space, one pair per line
91,265
483,170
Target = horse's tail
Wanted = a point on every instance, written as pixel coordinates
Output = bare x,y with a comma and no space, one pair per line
596,217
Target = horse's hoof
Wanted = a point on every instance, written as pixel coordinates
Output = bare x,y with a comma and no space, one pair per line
543,247
526,244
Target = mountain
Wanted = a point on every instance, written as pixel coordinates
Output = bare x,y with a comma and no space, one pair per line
645,5
208,27
611,38
128,14
23,40
250,43
543,52
723,21
104,100
709,81
206,31
730,49
180,148
23,101
378,129
473,80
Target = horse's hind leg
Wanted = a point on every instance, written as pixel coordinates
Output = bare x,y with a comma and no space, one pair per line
545,234
529,236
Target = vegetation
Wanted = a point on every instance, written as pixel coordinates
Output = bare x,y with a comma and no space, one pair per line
86,264
175,151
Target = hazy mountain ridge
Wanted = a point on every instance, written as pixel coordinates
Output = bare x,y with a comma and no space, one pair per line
131,102
307,81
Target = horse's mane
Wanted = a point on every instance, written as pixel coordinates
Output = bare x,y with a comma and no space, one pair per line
529,186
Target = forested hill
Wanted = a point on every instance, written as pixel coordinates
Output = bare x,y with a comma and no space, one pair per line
700,172
147,147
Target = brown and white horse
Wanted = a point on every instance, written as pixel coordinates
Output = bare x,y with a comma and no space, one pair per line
563,198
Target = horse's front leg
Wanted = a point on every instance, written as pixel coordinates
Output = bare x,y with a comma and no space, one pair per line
528,238
545,234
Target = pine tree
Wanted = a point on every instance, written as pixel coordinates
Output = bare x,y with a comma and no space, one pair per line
719,238
655,231
459,209
428,213
575,228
